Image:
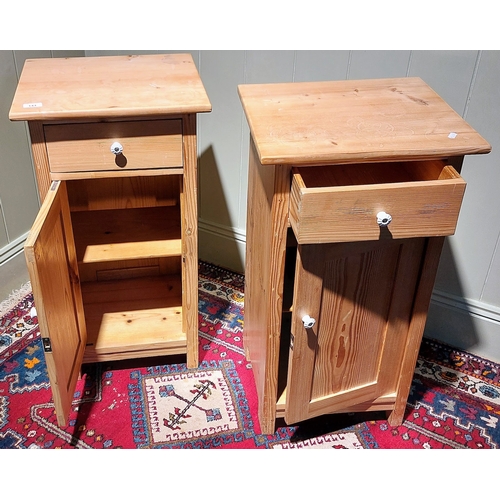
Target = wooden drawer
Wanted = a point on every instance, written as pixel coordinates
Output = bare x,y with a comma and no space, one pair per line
341,203
86,147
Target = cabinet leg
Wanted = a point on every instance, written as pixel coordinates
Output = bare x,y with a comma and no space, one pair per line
267,426
395,417
416,328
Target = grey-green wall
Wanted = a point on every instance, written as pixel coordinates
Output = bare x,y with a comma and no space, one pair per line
19,201
465,309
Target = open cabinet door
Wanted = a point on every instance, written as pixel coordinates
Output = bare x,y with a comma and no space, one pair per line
52,264
360,296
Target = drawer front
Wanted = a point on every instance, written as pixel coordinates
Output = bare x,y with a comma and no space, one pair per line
86,147
340,213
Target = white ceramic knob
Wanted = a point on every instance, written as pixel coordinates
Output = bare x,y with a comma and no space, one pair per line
383,219
116,148
308,321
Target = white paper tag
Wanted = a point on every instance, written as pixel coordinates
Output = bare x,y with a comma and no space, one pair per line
452,135
32,105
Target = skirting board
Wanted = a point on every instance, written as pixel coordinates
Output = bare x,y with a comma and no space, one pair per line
466,324
221,245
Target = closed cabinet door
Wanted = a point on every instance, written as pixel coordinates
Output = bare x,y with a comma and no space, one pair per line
52,264
351,311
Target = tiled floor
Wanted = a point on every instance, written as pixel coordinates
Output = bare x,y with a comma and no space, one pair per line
13,275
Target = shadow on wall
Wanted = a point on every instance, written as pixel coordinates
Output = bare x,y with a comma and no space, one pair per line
218,242
450,320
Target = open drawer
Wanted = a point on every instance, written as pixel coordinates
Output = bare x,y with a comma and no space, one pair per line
342,202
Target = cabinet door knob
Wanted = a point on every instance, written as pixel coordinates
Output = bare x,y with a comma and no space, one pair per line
116,148
383,219
308,321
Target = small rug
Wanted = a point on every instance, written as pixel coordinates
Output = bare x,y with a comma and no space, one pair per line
189,408
159,403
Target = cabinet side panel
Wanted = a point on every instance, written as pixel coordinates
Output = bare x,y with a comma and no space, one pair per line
40,158
404,289
189,225
267,220
417,324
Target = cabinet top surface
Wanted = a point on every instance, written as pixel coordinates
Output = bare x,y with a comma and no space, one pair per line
108,87
353,121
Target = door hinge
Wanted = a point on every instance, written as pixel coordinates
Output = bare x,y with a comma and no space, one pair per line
47,347
291,341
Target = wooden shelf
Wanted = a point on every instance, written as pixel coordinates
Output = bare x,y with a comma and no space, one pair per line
124,234
140,316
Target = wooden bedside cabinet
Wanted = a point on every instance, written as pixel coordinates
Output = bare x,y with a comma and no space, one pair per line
113,252
353,186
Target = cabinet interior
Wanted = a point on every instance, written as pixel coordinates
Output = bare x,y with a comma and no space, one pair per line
286,319
359,174
127,234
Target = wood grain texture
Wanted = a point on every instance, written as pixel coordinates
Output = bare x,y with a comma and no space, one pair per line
140,233
189,235
341,208
86,147
416,327
51,258
109,87
124,192
350,121
114,174
362,297
40,158
410,261
134,318
265,263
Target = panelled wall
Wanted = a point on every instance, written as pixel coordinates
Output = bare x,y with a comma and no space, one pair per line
465,310
19,201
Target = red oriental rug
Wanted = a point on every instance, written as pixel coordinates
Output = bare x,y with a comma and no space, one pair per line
454,400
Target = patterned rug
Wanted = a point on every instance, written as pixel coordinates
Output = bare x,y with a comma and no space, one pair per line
454,401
